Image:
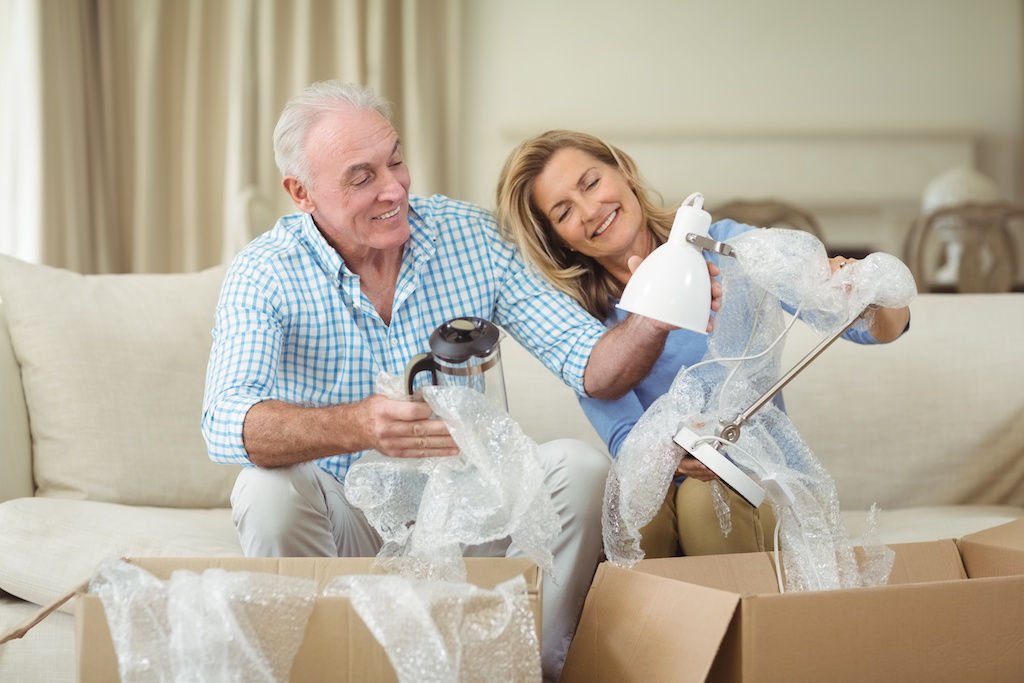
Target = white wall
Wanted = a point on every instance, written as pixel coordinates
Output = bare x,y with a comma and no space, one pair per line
711,80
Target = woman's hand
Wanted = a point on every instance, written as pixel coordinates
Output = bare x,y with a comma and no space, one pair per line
690,466
885,324
837,262
716,293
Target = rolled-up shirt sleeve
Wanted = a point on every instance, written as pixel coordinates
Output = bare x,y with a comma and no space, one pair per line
247,339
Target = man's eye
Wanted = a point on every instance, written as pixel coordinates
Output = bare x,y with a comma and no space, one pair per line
362,181
399,162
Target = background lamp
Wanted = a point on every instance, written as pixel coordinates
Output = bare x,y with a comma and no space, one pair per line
673,285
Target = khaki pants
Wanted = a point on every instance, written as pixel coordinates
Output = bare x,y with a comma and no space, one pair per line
687,524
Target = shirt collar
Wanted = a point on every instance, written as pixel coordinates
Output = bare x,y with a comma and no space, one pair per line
423,239
326,257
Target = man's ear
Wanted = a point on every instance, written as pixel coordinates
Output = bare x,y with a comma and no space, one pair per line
299,194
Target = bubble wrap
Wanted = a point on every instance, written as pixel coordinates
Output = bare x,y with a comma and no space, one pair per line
440,632
214,626
427,509
771,266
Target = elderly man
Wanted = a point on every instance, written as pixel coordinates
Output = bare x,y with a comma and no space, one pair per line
353,285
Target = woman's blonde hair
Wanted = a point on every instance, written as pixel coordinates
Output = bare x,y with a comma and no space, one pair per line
522,221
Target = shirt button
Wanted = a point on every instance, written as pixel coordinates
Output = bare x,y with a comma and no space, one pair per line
394,342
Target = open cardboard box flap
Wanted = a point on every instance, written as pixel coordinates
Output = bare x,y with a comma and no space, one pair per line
692,619
998,551
722,618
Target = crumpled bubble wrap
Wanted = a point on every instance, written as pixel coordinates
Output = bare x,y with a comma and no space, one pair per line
438,632
214,626
772,266
427,509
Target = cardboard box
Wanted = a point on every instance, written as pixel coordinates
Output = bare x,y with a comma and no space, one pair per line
337,645
722,618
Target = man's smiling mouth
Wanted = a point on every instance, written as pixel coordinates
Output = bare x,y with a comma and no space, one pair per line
389,214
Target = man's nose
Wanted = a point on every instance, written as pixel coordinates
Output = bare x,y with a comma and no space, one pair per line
392,188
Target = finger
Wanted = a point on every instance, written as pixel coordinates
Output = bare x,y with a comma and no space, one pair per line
422,447
408,410
633,262
713,269
691,467
700,474
422,428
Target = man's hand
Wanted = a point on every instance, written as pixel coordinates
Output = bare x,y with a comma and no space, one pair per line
404,429
277,434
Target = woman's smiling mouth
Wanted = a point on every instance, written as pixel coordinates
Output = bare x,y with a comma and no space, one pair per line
607,222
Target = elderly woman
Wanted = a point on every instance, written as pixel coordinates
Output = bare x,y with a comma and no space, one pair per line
580,213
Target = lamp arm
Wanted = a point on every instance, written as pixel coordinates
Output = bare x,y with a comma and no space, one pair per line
705,242
731,431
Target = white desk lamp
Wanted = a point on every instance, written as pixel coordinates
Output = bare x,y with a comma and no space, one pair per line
673,285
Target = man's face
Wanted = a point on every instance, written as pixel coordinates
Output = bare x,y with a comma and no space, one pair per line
359,195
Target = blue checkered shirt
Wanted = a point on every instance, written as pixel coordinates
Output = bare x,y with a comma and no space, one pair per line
293,325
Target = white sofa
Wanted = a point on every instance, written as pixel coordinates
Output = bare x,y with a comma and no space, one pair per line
101,454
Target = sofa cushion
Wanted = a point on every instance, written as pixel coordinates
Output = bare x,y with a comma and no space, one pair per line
113,368
52,545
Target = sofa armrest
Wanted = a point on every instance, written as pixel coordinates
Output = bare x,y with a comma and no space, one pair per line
16,444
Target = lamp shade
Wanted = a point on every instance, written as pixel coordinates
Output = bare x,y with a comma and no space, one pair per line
672,284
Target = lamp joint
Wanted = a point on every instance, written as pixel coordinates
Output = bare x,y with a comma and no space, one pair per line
705,242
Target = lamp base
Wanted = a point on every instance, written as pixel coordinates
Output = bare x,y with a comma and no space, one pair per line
728,472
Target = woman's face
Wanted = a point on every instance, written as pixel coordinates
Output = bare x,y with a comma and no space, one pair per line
591,206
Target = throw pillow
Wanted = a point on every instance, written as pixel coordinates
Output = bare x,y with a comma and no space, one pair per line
113,368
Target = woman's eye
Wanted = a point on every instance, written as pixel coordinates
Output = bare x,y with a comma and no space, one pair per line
593,183
562,216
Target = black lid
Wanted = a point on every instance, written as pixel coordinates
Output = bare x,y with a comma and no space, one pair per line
459,339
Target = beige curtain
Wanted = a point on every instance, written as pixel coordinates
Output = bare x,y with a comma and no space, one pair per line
157,115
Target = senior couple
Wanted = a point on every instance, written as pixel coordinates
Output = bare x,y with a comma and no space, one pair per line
354,283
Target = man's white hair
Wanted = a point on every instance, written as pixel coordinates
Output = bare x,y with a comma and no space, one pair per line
303,111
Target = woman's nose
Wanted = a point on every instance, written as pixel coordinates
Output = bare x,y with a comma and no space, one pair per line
589,209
